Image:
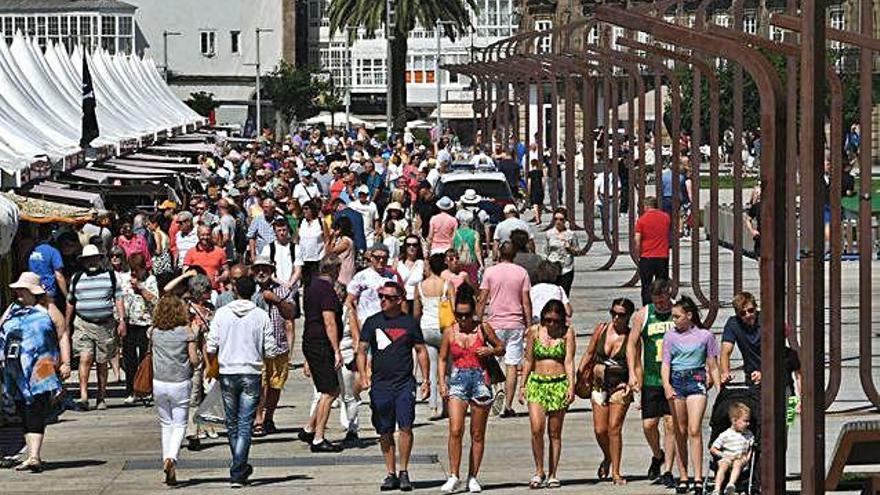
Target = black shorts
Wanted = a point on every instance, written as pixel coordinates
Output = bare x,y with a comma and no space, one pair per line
321,361
654,403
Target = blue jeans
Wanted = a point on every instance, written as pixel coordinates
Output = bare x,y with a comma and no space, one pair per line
241,395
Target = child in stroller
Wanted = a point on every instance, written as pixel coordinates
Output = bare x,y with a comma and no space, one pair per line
729,426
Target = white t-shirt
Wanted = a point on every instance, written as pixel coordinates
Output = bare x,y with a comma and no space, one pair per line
365,286
370,213
283,260
508,225
541,294
311,240
302,193
184,243
433,177
411,278
393,245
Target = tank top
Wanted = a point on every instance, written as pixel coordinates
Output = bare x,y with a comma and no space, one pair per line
616,371
431,307
346,267
653,330
466,357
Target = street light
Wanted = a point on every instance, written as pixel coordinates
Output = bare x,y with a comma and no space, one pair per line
389,38
165,35
259,120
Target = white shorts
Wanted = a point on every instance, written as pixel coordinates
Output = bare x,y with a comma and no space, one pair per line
513,345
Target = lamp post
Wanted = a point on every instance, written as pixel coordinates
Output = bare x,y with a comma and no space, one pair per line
165,35
438,79
389,38
259,120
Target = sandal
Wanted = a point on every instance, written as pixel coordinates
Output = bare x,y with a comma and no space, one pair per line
618,481
537,482
258,431
682,487
553,483
32,465
603,471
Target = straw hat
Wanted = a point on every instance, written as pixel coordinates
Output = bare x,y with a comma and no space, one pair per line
470,197
29,281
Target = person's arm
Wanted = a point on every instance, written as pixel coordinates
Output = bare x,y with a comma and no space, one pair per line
637,245
751,225
478,251
417,303
526,300
430,239
192,353
441,364
120,308
62,330
362,349
726,351
664,375
528,361
170,286
634,351
341,246
712,363
570,347
332,335
284,304
497,347
424,365
481,303
61,282
591,348
351,301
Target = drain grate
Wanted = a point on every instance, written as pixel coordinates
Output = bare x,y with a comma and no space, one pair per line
274,462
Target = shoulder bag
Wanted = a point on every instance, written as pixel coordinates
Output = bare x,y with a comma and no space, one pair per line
143,379
583,386
491,364
444,310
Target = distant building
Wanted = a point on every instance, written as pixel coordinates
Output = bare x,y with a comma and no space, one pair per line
105,23
216,47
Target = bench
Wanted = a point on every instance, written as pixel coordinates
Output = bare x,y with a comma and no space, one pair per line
857,445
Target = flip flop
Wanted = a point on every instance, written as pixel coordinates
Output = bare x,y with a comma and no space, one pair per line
553,483
536,482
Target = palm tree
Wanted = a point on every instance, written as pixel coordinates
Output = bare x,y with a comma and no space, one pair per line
370,15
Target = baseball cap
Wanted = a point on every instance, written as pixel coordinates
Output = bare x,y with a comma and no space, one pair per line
168,205
363,190
305,173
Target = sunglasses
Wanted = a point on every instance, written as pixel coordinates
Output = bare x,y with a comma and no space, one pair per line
551,321
463,316
749,311
615,314
412,245
387,297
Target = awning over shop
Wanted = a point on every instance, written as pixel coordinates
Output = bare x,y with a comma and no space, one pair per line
44,211
183,148
455,111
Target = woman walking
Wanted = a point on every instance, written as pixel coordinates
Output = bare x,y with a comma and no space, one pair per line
174,356
536,188
342,245
466,243
428,295
29,343
411,267
561,247
687,353
201,312
548,369
611,396
162,261
139,297
311,238
442,227
469,343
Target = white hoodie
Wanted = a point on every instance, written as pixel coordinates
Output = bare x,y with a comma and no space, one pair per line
242,335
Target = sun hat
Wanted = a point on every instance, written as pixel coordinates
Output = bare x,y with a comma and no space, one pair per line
90,251
305,173
29,281
363,190
470,197
445,203
394,205
263,261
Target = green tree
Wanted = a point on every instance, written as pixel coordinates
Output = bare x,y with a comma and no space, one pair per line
202,103
370,15
294,92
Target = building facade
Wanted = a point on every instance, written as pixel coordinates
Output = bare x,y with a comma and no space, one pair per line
212,46
362,68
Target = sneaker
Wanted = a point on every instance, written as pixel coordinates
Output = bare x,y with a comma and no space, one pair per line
306,436
101,405
451,485
130,400
391,483
667,480
405,483
324,446
243,481
656,464
351,440
474,485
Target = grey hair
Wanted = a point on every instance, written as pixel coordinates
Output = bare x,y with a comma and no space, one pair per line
199,286
329,264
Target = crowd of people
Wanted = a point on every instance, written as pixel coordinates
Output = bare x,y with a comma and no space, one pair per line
400,296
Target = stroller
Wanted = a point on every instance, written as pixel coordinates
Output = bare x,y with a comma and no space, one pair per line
749,479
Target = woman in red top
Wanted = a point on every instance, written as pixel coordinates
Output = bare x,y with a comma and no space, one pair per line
468,342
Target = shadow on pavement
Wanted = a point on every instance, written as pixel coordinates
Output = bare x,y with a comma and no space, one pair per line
80,463
253,482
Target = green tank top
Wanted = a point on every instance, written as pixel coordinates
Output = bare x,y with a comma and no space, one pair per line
556,351
653,330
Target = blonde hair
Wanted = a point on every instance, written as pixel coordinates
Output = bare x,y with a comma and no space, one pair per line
739,410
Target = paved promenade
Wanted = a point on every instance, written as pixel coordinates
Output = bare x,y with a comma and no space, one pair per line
117,451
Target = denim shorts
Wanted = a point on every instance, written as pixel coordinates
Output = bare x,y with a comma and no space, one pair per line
469,385
688,382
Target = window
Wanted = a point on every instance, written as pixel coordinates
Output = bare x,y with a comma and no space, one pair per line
336,58
235,38
207,43
370,72
837,20
108,33
722,20
494,18
750,24
125,34
776,34
544,44
420,69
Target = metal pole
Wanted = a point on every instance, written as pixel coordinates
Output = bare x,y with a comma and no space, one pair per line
389,38
439,82
348,90
259,121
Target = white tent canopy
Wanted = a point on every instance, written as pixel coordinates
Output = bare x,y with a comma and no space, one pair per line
336,119
41,101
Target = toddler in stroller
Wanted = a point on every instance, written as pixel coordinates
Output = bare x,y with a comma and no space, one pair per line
732,444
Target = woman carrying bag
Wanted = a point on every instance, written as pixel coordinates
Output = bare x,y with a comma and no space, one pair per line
173,356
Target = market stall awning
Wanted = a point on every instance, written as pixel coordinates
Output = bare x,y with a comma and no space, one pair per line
157,166
156,158
455,111
44,211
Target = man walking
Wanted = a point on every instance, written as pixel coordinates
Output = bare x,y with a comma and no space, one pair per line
505,289
93,295
320,346
390,337
511,222
241,336
652,246
649,326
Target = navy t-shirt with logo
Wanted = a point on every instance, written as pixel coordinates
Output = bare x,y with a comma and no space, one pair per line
391,342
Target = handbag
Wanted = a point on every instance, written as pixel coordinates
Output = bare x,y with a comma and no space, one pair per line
583,386
447,316
493,367
143,379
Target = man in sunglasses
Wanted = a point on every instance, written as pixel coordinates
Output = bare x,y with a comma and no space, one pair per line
390,337
363,299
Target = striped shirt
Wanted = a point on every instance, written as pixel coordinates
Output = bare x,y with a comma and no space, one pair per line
732,443
94,297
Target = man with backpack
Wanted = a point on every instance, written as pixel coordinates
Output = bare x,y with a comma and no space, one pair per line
92,297
282,252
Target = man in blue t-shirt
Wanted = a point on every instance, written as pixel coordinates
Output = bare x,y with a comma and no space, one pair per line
390,337
46,260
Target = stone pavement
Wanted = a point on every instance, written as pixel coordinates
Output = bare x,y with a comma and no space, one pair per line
117,451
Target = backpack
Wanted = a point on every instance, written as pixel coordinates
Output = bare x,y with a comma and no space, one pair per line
76,276
463,249
272,253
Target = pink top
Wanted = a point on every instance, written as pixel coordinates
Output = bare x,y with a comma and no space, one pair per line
346,269
443,225
506,284
137,244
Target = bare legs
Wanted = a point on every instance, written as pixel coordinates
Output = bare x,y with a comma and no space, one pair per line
479,416
651,427
318,421
85,366
688,416
552,423
387,443
608,426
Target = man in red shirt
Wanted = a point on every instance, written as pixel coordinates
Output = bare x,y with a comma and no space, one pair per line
652,246
209,257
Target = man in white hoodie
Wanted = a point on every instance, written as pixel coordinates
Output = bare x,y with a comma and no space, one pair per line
241,337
